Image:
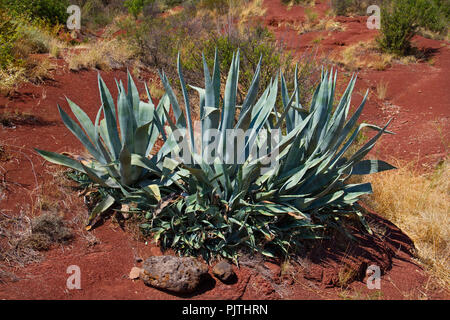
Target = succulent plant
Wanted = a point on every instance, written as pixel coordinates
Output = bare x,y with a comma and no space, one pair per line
216,207
119,153
227,205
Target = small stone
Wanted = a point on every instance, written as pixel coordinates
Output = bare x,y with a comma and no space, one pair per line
134,273
223,271
180,275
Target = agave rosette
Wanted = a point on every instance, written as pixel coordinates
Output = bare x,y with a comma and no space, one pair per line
215,207
225,205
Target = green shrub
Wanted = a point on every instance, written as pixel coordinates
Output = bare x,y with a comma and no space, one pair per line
358,7
21,36
135,7
401,20
8,37
53,11
99,13
159,40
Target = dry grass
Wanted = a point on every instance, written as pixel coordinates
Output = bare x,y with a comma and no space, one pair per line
419,204
10,78
312,23
250,10
33,70
381,89
156,90
14,228
366,55
103,55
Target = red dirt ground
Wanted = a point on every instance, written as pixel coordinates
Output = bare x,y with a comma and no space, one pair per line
417,99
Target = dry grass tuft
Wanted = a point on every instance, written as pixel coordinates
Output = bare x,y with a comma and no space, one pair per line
366,55
419,205
251,10
33,70
381,89
13,230
103,55
10,78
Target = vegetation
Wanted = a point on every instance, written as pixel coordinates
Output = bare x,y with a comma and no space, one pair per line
192,31
401,21
52,11
20,37
220,208
420,210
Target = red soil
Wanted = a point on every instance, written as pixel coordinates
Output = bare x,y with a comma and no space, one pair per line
417,100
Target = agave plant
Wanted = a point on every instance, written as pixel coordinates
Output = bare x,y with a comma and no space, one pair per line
227,206
217,207
119,153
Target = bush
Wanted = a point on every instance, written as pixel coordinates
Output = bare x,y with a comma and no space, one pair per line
99,13
53,11
8,37
401,21
159,40
135,7
19,37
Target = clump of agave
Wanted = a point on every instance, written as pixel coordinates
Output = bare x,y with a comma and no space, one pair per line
218,208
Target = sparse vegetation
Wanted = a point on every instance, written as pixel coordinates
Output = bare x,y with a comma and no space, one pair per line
381,89
368,55
401,20
219,209
52,11
20,37
103,55
354,7
418,203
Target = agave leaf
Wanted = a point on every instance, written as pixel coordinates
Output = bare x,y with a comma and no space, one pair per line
146,113
179,116
143,162
142,139
286,102
133,95
83,119
216,80
79,133
229,104
324,201
186,103
371,166
96,179
155,191
252,91
125,121
354,191
125,166
60,159
364,150
109,112
103,205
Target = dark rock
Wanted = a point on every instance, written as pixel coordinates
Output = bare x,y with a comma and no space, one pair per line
181,275
223,271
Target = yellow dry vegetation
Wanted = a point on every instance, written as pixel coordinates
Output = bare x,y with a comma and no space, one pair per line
366,55
419,204
103,55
